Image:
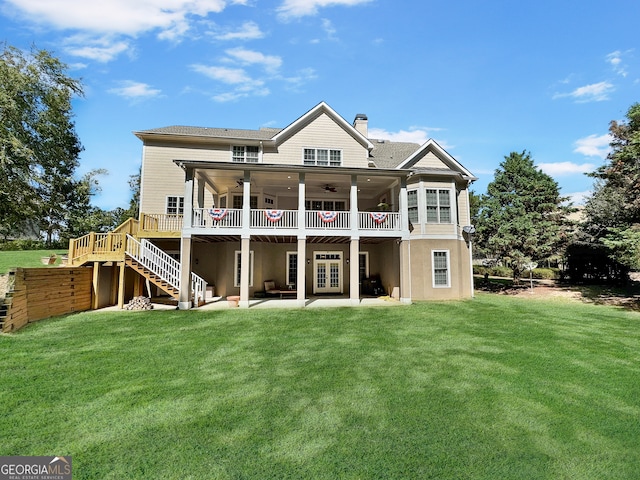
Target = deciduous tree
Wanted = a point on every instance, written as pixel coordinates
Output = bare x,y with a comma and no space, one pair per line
39,147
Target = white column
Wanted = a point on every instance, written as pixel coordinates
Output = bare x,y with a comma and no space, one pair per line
184,300
403,208
405,271
302,215
353,207
354,271
188,199
245,269
301,285
246,204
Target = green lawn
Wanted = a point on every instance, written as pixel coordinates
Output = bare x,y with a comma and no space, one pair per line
26,258
497,388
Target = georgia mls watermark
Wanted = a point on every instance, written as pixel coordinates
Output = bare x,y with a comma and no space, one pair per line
35,468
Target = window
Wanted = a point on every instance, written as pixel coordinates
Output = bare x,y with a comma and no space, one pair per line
246,154
322,157
175,205
412,202
363,265
292,268
238,201
326,206
238,270
438,206
441,269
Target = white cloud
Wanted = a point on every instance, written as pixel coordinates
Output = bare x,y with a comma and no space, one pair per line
560,169
300,8
596,92
102,49
223,74
248,31
593,145
578,198
413,135
244,85
250,57
616,62
125,17
135,90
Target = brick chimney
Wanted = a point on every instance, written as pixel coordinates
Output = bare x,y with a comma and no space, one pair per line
361,124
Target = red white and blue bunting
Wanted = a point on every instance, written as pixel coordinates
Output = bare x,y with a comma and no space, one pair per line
328,217
273,215
379,217
217,213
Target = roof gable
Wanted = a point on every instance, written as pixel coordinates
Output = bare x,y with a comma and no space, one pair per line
431,156
315,112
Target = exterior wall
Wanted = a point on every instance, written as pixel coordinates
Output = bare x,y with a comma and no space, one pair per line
422,270
161,177
430,160
215,263
322,132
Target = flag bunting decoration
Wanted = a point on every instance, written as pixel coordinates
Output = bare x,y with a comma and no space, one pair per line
328,217
379,217
217,213
273,215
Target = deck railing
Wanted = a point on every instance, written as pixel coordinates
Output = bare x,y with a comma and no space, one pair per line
217,217
379,221
161,222
96,243
225,218
274,218
320,220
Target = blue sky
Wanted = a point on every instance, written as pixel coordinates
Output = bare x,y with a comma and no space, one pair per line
481,78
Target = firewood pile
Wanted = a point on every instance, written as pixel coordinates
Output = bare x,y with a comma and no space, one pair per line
139,303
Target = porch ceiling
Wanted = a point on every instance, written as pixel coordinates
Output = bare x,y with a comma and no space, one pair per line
285,183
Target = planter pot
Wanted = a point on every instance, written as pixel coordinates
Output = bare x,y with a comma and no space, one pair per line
233,300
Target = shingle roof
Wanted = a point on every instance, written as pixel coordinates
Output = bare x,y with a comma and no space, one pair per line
262,134
386,154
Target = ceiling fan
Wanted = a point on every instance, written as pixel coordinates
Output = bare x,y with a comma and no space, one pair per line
329,188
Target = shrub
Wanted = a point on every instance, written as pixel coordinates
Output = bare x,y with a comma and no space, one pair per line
545,273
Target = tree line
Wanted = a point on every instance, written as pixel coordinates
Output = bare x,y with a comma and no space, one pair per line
523,219
41,195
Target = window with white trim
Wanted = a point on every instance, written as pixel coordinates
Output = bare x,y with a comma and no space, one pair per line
441,270
326,205
412,205
292,269
322,157
363,265
238,269
175,205
245,154
238,201
438,206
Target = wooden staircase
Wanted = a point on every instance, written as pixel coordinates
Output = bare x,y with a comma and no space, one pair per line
122,246
152,277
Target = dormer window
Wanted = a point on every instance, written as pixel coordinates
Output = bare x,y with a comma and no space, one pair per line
322,157
245,154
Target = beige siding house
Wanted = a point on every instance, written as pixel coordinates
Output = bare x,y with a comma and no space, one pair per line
315,208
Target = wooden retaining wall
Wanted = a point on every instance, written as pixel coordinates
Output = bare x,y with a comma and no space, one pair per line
40,293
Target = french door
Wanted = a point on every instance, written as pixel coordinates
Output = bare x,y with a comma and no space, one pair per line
327,268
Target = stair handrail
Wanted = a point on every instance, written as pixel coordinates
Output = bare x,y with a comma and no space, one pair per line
199,288
155,260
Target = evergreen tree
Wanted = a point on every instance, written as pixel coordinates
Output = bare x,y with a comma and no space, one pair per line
613,211
522,217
